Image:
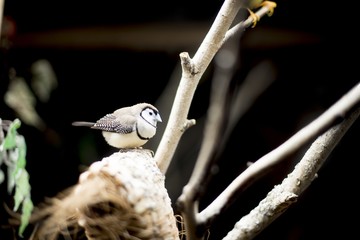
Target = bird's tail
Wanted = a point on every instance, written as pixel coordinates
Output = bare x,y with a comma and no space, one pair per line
83,124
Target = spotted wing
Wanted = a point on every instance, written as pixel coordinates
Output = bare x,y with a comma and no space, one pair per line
109,123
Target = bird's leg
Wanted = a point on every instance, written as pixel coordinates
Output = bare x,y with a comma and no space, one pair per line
255,17
129,149
269,4
123,150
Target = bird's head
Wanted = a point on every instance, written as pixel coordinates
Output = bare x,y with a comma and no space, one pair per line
151,115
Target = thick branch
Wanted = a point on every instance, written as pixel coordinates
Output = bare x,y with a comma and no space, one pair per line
190,79
339,110
188,201
193,69
283,195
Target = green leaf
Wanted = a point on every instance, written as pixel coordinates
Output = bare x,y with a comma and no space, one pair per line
22,198
22,189
18,157
27,207
10,139
11,177
21,145
18,177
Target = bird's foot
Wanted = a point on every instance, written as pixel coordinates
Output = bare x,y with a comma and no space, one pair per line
134,149
122,150
270,5
255,17
129,149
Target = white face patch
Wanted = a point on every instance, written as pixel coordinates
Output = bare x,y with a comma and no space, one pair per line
151,116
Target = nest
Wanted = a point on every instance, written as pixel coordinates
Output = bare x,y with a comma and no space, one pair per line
121,197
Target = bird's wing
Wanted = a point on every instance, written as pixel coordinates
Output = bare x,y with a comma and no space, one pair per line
110,123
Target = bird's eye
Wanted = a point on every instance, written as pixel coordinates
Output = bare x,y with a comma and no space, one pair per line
150,113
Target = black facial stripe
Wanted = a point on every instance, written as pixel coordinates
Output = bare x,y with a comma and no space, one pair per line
141,114
141,137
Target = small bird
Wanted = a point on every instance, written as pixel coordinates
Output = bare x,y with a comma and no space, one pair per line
127,127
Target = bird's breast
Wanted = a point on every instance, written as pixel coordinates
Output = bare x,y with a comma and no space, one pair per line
130,140
145,130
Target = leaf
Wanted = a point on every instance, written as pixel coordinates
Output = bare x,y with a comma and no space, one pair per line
21,145
10,139
18,157
27,207
11,177
22,198
22,189
18,177
21,99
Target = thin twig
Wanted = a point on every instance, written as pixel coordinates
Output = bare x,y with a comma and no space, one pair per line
241,26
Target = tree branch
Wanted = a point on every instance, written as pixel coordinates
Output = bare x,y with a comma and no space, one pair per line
339,110
193,69
284,195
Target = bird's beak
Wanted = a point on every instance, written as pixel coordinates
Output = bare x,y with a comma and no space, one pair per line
158,118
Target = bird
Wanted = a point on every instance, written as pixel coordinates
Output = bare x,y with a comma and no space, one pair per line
254,4
127,127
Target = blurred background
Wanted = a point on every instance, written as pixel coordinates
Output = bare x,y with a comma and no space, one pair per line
63,61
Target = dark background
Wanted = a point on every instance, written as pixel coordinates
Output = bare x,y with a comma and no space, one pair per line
112,54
